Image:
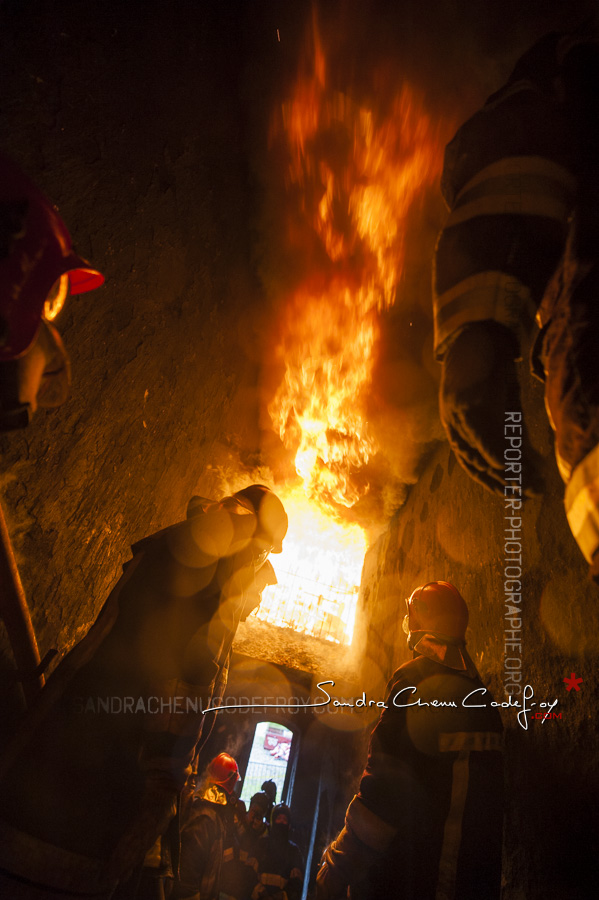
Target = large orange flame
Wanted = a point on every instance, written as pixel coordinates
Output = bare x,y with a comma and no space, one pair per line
359,177
356,174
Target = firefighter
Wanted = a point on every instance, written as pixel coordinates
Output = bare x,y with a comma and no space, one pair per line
427,821
270,789
207,833
91,778
38,270
256,832
280,864
521,179
234,871
258,812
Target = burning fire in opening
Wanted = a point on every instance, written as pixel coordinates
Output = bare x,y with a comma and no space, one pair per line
355,175
318,572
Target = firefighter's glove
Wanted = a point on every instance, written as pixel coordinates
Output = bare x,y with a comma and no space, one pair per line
329,884
344,861
479,387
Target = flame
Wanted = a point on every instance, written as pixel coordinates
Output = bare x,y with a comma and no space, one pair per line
356,175
318,572
316,407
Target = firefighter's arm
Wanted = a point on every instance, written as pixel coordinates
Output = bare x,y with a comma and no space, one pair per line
197,834
251,879
167,752
368,831
156,808
509,182
479,388
363,839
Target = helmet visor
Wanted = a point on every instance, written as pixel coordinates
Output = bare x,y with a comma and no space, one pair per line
406,619
56,298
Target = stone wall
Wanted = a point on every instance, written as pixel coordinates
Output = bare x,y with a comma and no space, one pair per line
130,118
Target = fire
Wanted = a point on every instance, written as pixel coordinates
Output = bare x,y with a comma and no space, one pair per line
317,407
356,174
318,571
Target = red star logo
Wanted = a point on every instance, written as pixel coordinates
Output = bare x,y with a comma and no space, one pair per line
572,682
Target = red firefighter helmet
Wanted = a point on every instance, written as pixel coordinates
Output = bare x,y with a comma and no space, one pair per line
438,608
272,518
37,262
224,771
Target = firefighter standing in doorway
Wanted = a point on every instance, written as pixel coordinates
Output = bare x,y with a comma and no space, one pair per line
280,864
427,821
256,832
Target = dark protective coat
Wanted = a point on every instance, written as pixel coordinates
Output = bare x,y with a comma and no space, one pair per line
203,839
521,179
280,869
90,780
427,821
251,845
235,871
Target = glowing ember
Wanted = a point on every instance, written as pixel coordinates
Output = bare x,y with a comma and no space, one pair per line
318,572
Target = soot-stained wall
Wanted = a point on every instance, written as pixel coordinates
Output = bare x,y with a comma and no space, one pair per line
450,528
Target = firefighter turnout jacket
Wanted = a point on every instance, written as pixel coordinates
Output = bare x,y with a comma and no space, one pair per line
89,781
280,869
427,821
203,845
521,179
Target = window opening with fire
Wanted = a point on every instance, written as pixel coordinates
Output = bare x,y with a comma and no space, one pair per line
352,176
269,758
318,573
